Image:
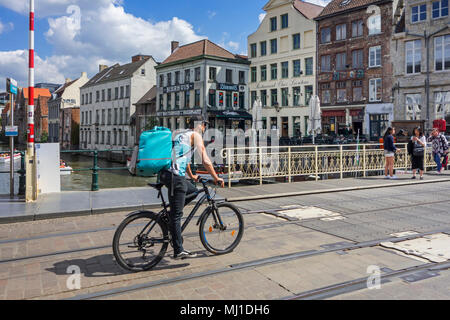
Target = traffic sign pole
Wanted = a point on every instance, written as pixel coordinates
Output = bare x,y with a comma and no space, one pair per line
11,143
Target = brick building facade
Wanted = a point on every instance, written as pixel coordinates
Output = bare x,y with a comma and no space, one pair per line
354,73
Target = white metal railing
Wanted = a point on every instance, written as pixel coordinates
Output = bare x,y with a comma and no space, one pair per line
260,163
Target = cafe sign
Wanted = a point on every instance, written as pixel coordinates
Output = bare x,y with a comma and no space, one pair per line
180,87
179,113
227,87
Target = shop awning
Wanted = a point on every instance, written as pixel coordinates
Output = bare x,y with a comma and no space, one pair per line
333,113
231,114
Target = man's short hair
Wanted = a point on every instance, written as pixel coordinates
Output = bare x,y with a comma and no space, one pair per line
195,121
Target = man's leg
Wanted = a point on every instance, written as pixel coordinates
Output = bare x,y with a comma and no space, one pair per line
176,208
437,159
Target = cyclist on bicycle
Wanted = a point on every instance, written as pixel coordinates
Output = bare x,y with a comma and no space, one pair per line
185,145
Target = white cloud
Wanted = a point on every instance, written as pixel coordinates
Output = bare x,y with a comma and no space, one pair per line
260,17
86,33
15,64
211,14
5,27
233,45
322,3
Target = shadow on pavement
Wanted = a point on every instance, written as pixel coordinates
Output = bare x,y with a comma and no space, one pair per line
104,266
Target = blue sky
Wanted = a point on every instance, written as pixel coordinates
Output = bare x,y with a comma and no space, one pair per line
73,36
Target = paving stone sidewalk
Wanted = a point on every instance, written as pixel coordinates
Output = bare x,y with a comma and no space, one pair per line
78,203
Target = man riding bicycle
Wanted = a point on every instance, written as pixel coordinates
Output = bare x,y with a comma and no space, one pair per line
185,145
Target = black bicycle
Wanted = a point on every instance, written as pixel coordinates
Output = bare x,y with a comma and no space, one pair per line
142,239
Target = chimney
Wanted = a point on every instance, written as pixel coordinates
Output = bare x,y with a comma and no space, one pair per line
139,57
68,80
102,67
84,75
174,45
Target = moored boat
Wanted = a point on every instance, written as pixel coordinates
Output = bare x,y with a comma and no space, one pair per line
6,157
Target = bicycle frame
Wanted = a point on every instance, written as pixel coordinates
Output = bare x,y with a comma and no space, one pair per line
205,197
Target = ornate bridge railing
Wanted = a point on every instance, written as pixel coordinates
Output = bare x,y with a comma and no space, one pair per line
274,162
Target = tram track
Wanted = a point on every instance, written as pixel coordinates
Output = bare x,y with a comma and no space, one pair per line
276,260
361,283
195,234
246,212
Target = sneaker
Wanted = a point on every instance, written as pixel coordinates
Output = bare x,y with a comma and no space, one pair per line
185,255
421,178
414,177
387,177
393,178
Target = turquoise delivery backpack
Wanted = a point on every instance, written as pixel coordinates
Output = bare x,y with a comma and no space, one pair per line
155,152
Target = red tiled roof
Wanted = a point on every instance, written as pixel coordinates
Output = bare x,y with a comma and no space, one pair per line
336,6
37,92
199,48
309,10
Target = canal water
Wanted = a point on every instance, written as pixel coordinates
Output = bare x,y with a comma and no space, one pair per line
82,180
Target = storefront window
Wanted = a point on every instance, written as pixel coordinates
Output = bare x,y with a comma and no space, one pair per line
442,104
378,125
413,106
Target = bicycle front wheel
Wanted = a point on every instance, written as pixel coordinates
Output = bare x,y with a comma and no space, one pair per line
222,230
140,241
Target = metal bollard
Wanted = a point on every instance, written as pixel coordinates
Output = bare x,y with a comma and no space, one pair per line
95,173
22,171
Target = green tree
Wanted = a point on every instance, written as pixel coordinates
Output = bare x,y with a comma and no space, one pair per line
44,137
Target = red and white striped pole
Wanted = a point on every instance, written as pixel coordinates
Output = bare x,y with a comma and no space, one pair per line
30,114
31,187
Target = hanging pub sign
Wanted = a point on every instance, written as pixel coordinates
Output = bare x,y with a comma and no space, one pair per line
180,87
235,99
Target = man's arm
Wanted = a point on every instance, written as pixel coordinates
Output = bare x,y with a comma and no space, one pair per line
189,172
201,150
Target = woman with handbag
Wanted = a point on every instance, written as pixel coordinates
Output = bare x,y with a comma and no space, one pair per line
418,153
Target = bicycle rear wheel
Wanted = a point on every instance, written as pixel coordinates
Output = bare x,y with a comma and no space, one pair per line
221,232
140,241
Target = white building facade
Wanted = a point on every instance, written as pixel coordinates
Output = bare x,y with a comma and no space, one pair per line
108,102
282,72
203,79
67,96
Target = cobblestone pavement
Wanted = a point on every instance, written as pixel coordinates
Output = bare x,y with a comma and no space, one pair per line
35,256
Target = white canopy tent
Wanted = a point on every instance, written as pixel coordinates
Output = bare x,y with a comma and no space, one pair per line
315,118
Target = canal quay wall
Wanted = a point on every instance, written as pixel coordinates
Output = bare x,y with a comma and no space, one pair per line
79,203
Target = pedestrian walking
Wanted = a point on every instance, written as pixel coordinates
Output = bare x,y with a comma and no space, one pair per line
419,142
440,148
389,153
